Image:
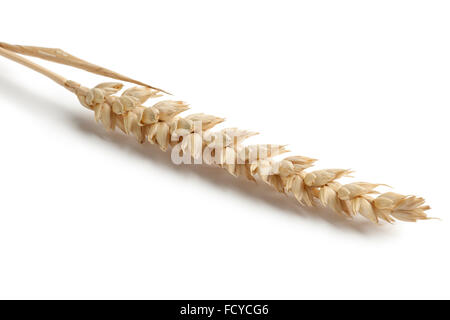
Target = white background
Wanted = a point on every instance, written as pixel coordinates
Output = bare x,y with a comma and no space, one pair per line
357,84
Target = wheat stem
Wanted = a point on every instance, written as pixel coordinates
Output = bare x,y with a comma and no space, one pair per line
15,57
61,57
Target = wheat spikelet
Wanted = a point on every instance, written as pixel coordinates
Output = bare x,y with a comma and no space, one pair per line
161,124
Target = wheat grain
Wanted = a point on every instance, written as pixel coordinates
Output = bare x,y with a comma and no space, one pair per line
162,124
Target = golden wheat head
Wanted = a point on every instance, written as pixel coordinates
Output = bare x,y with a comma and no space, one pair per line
163,125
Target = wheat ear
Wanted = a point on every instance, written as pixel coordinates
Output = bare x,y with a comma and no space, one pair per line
162,124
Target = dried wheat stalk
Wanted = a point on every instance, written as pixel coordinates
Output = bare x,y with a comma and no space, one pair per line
161,124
